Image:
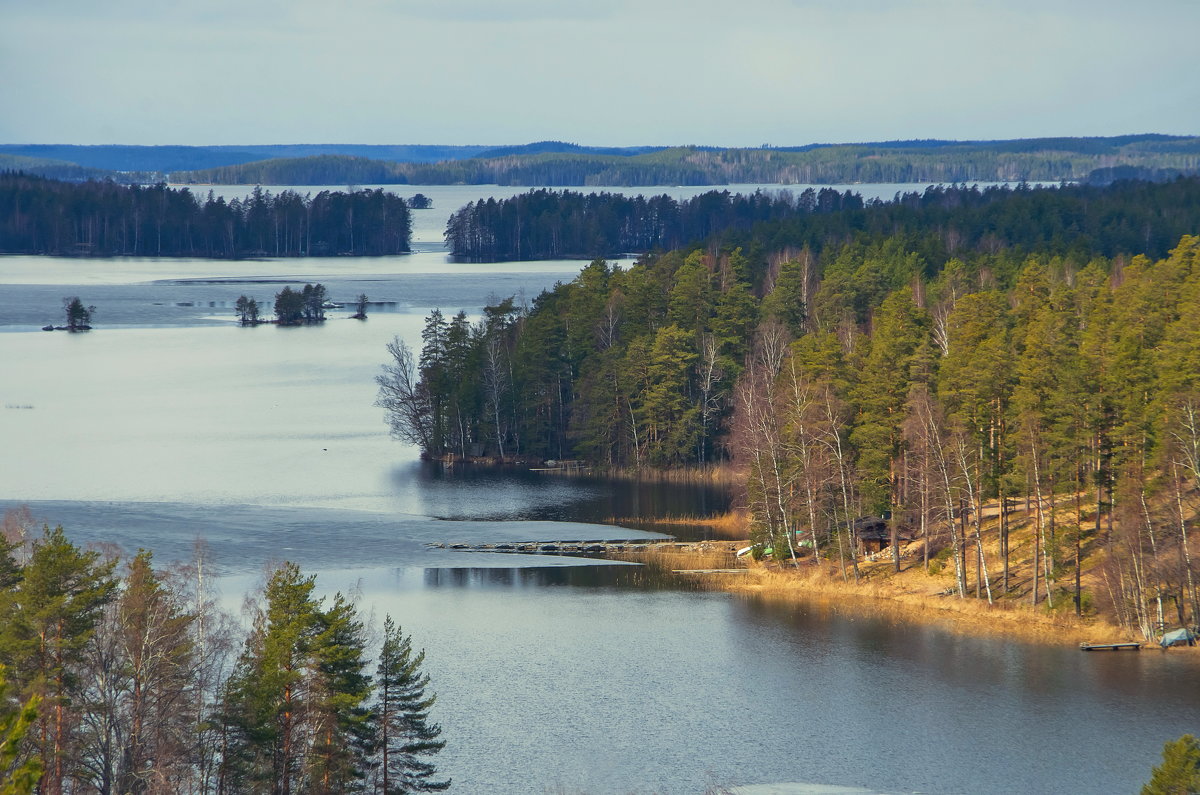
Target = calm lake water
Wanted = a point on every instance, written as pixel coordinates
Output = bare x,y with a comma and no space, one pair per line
169,422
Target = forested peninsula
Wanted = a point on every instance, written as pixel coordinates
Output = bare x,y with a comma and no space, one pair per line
44,216
1040,159
937,372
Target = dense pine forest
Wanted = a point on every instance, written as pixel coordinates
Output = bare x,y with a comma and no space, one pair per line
119,676
43,216
921,371
546,224
550,164
1130,216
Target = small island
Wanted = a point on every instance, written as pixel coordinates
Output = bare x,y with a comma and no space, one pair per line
79,317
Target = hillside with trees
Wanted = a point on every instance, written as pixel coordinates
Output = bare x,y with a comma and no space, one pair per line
1038,159
42,216
68,171
927,376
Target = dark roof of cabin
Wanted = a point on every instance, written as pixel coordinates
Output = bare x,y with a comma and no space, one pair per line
875,528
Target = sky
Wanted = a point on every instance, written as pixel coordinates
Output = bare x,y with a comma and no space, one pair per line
593,72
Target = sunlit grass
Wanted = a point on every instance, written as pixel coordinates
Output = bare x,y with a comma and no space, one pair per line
733,524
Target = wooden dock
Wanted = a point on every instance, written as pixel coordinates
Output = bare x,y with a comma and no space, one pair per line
710,571
596,547
589,547
1134,645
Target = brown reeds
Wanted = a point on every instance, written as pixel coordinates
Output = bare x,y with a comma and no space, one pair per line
733,524
717,474
693,556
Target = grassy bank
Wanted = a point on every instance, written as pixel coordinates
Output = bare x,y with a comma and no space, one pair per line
912,594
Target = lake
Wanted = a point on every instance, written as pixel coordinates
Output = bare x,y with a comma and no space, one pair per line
554,674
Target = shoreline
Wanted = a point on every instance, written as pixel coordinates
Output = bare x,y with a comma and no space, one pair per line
966,617
912,597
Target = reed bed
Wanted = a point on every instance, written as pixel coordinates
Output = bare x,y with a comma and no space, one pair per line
717,475
684,557
733,524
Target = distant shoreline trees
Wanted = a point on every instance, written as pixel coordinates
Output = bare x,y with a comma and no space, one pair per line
549,224
1125,218
43,216
1043,160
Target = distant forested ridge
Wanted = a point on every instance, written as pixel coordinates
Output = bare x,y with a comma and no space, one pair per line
43,216
71,172
165,159
1040,159
1127,217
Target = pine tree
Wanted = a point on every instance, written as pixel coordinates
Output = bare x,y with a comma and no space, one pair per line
289,307
247,310
664,406
976,382
17,777
294,710
79,317
1179,773
50,617
405,735
267,701
900,328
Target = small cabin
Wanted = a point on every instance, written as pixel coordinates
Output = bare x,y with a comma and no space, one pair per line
873,534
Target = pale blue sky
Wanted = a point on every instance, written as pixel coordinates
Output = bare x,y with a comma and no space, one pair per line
602,72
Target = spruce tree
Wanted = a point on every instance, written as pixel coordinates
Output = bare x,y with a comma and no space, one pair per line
341,727
405,735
